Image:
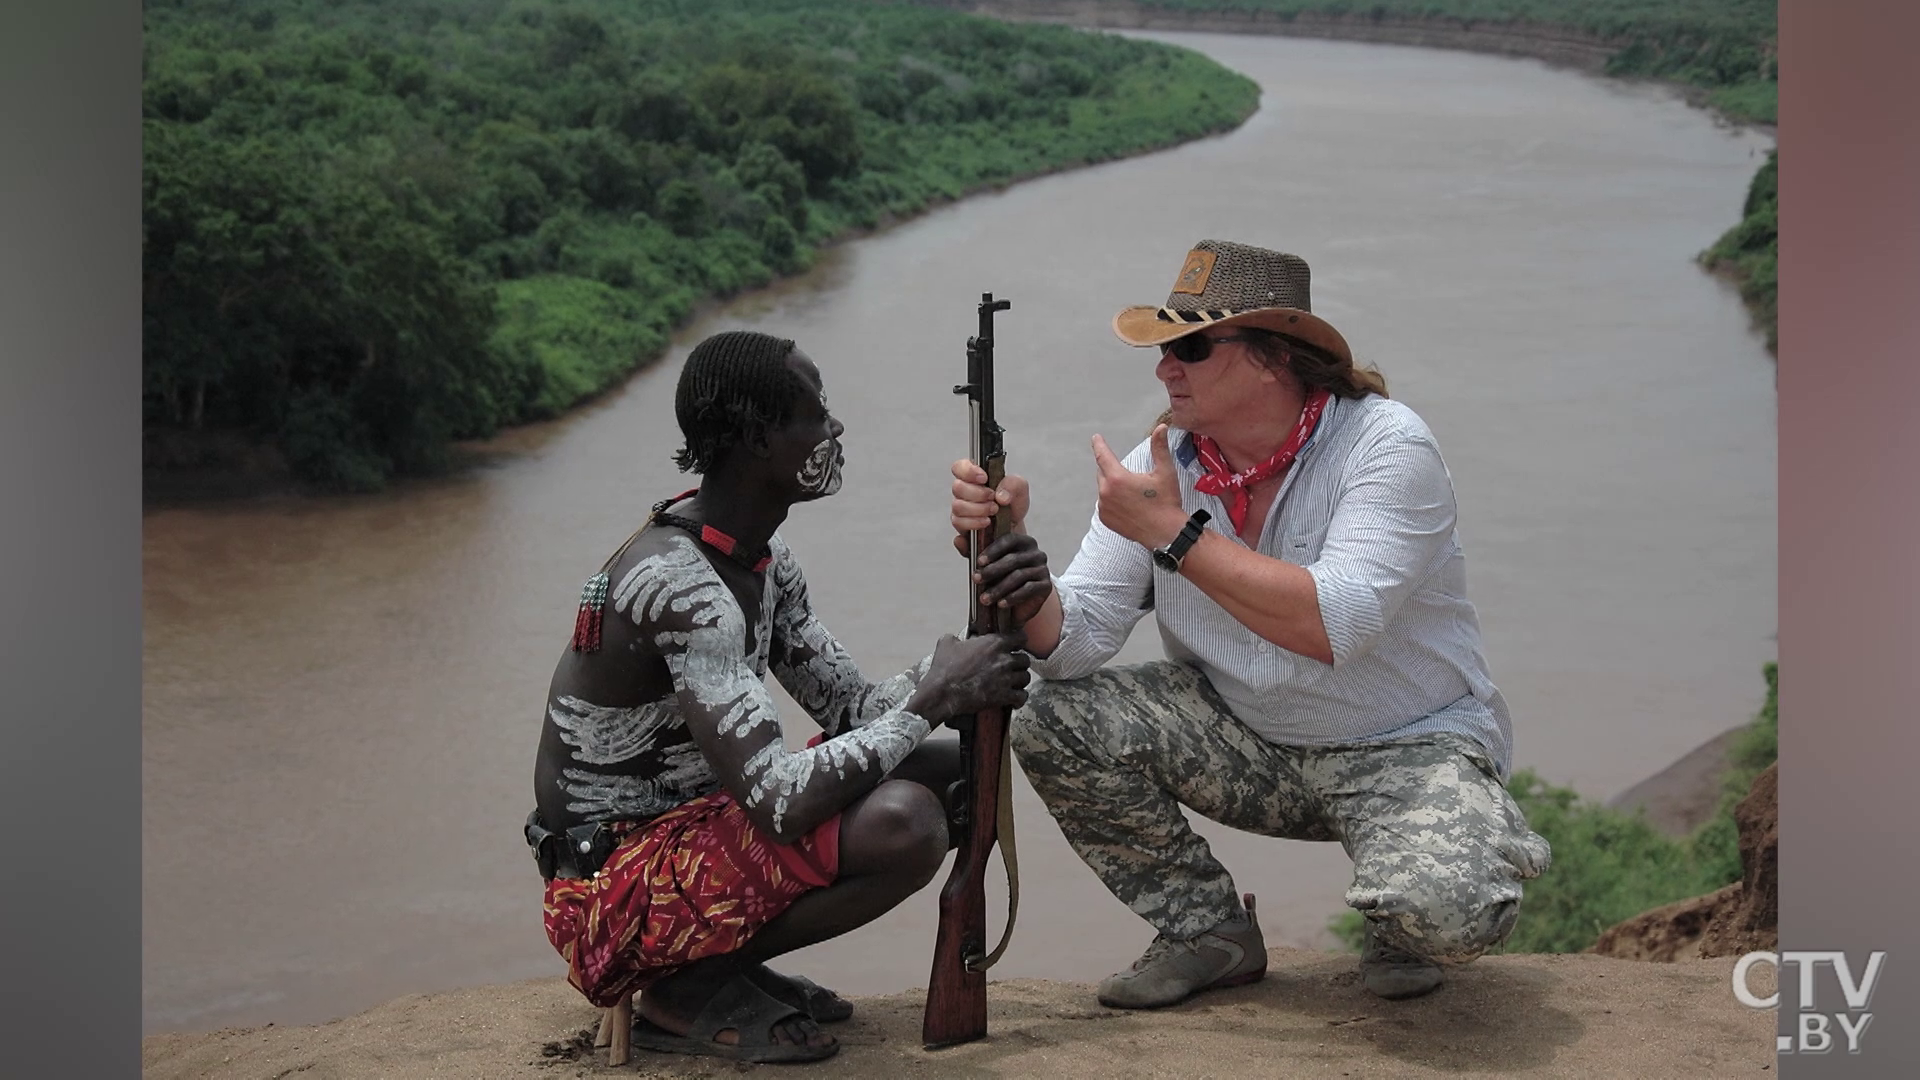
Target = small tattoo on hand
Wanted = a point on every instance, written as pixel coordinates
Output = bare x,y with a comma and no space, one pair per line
1150,493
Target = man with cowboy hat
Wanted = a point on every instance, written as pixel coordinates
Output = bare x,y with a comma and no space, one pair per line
1292,531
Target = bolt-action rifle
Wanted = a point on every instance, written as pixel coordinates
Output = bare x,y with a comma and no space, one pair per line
982,799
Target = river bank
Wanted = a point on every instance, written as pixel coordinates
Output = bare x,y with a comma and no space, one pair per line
184,468
1555,44
1548,1016
183,465
1745,256
1561,46
556,197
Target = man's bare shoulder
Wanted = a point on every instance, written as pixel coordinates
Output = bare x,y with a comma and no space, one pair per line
665,584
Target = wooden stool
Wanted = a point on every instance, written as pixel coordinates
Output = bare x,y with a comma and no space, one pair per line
616,1031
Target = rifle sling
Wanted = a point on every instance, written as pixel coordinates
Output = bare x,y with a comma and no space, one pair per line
1003,827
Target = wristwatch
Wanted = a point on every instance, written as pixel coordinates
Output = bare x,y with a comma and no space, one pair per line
1170,557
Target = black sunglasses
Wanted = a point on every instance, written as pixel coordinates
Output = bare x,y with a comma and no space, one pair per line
1197,347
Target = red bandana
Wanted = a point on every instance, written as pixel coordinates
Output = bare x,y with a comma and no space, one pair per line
1220,478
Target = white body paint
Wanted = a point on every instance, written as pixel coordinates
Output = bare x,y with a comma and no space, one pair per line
603,797
606,736
705,646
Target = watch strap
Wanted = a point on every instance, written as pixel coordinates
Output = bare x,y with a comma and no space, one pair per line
1189,536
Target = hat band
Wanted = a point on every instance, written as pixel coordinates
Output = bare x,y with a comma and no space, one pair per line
1176,316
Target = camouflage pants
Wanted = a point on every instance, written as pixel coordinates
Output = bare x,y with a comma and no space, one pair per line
1439,848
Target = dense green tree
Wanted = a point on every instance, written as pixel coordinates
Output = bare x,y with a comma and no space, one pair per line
373,228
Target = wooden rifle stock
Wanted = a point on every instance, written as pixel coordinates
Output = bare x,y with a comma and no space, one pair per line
983,808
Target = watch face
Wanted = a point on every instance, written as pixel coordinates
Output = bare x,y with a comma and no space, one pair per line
1165,560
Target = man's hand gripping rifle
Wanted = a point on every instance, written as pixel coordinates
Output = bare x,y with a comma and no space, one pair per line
983,802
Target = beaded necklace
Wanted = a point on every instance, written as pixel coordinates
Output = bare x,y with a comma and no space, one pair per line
593,595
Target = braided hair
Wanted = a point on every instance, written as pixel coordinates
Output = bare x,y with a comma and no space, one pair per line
734,386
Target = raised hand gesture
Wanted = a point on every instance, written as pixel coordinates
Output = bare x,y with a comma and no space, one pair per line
1143,507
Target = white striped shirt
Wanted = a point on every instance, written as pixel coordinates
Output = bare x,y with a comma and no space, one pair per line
1368,510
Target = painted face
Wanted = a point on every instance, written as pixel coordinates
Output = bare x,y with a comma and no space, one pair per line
818,473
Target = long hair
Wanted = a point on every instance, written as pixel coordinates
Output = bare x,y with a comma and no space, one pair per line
1316,368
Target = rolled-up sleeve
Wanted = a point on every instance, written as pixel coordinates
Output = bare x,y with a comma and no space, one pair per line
1100,597
1391,528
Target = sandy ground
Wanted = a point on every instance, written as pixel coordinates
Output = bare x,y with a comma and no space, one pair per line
1536,1015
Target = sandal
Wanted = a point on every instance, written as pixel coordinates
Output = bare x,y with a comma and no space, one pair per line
746,1009
825,1006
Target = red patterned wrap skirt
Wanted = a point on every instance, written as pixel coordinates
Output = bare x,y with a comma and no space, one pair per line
699,880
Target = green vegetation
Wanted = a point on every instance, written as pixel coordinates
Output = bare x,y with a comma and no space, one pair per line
372,228
1725,47
1609,866
1750,252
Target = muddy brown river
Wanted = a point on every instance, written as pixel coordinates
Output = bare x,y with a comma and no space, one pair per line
342,696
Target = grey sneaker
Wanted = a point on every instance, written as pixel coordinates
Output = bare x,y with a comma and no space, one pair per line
1231,954
1395,975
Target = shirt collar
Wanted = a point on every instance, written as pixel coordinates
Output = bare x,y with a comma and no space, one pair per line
1187,454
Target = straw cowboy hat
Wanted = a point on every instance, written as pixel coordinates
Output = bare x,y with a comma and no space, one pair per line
1226,284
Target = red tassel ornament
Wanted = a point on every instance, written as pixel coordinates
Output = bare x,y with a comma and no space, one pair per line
593,595
593,609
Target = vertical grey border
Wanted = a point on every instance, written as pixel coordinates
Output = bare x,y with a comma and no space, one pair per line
1850,515
70,544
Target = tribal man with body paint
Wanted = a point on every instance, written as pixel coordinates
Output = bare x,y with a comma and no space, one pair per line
709,847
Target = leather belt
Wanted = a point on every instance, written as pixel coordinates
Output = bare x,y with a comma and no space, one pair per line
577,853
